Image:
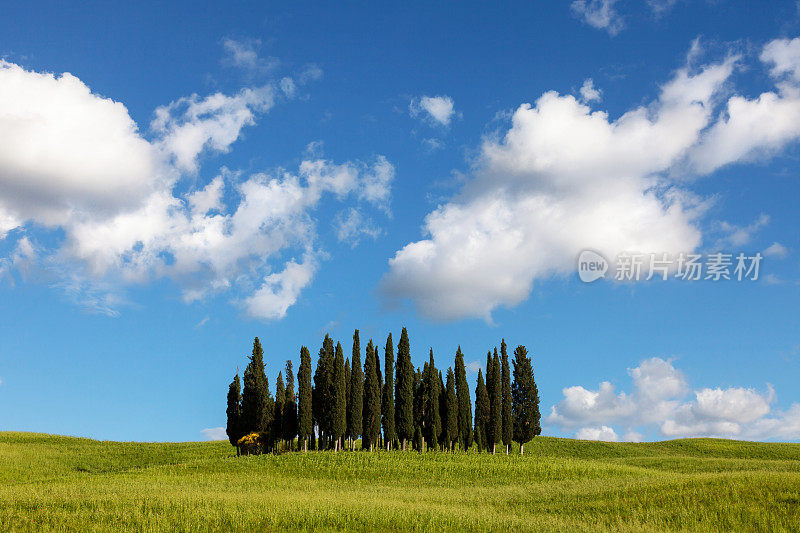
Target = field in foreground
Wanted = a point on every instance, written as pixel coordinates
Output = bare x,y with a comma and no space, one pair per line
64,483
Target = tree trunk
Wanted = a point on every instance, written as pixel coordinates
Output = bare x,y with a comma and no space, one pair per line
404,444
494,447
521,446
305,445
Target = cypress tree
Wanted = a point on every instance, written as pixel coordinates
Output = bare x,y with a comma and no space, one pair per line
280,400
433,421
305,425
464,403
234,411
387,398
339,407
254,396
481,412
323,386
525,399
269,410
349,398
508,424
380,388
404,391
451,412
356,406
290,407
372,402
419,407
496,404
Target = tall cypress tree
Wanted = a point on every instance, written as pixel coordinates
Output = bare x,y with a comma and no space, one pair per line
269,412
481,412
451,413
339,407
419,407
387,398
305,425
404,391
379,372
508,423
290,407
464,403
349,398
234,412
433,421
280,400
372,402
525,399
323,386
356,405
254,396
495,404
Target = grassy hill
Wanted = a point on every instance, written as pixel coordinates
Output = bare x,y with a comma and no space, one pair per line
64,483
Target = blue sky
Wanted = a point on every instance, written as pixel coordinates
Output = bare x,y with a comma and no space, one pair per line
210,173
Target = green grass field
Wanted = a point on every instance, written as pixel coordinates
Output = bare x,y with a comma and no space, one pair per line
70,484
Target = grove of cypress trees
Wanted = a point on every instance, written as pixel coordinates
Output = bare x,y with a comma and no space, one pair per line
525,399
338,396
254,396
387,398
495,404
433,421
372,401
481,412
508,424
234,412
305,425
464,403
451,413
404,391
356,406
290,407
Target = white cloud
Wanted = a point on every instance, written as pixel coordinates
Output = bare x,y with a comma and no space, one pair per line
74,161
474,366
243,54
438,110
561,179
603,433
351,225
776,249
589,93
737,236
599,14
661,400
218,433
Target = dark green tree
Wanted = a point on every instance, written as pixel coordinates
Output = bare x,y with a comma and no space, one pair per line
372,401
419,408
255,415
290,407
404,391
525,400
481,412
349,399
339,398
433,421
508,421
234,412
323,387
450,419
387,398
269,409
379,372
356,405
305,426
280,401
496,404
464,403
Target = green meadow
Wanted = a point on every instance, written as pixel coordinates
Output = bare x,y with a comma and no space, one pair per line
72,484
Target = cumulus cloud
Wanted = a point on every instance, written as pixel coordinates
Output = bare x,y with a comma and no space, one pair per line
776,249
351,226
437,110
563,178
244,54
76,162
599,14
661,400
217,433
588,91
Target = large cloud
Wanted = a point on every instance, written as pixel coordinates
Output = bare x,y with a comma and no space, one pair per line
72,160
661,400
564,178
